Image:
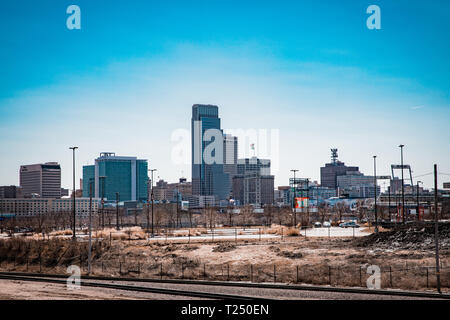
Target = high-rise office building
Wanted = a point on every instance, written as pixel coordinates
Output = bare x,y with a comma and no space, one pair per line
354,184
262,166
253,183
208,176
329,173
110,174
41,179
230,154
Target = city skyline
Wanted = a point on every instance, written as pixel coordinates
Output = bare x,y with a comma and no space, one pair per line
127,85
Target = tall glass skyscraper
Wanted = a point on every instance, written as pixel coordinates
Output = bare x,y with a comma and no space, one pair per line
207,178
110,174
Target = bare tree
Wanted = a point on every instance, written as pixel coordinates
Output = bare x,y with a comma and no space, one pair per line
210,216
340,209
245,215
268,214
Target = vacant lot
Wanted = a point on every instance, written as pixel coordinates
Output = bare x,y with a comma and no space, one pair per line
314,260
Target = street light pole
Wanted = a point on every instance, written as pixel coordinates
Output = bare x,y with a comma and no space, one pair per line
152,198
375,185
117,211
74,237
102,178
418,206
307,200
436,230
403,184
148,206
90,228
293,197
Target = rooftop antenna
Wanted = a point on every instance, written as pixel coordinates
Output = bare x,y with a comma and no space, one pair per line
334,155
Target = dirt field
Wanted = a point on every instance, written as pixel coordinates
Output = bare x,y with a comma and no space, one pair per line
23,290
321,261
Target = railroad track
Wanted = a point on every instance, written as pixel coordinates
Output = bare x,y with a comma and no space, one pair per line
228,284
184,293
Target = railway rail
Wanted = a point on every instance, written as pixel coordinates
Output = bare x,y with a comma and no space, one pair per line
56,278
184,293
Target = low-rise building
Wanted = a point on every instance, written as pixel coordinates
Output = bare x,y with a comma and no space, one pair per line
27,207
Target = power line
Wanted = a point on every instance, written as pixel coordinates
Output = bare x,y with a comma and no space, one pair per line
423,175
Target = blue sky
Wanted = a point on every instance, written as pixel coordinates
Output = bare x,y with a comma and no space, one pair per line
310,69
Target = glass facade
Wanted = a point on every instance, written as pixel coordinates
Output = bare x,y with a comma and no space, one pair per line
112,174
207,179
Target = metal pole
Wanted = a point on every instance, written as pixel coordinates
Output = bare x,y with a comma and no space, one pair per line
148,206
307,202
293,198
117,211
90,227
152,198
436,230
389,195
375,185
418,208
74,237
403,185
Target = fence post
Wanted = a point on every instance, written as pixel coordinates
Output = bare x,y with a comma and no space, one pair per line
281,233
390,275
103,267
274,274
110,239
228,272
160,271
204,271
40,261
189,235
360,276
297,274
329,275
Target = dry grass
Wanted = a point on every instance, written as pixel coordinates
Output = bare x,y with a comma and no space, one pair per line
282,230
66,232
129,233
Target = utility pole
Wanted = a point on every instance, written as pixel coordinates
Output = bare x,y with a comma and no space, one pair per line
90,228
117,211
148,206
436,230
307,200
102,178
418,206
152,198
403,184
375,185
389,197
74,237
293,197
